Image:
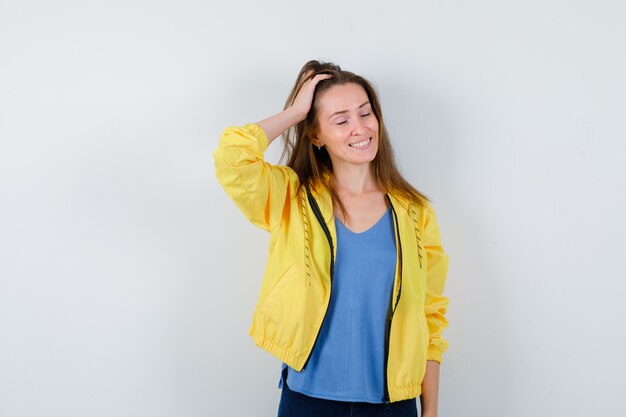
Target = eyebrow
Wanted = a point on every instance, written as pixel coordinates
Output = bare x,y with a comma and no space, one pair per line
345,111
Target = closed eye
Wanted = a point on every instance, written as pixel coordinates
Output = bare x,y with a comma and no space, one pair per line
363,115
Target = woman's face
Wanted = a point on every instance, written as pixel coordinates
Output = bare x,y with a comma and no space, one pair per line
347,126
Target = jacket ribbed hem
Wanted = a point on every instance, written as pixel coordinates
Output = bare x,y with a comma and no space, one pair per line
396,393
404,392
278,351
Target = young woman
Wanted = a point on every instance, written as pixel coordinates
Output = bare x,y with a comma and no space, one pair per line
352,297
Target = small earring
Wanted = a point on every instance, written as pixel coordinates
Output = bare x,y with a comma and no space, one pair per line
319,148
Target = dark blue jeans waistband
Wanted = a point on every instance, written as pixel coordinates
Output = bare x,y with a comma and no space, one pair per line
293,403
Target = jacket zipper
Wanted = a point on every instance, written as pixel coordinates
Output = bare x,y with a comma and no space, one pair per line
320,218
391,310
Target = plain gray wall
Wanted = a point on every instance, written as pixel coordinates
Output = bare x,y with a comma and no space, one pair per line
128,278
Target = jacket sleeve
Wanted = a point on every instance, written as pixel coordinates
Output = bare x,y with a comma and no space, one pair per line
257,187
436,304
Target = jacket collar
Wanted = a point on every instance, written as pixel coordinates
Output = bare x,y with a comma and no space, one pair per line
324,200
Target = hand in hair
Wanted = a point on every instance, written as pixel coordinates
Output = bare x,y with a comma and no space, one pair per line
303,99
278,123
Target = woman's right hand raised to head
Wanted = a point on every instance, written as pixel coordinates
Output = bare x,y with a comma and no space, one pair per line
304,98
278,123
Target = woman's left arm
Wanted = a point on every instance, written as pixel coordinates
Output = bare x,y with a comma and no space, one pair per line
435,308
435,303
430,390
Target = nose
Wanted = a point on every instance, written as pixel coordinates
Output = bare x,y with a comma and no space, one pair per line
358,127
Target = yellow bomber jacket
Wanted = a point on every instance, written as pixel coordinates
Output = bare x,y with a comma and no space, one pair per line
297,282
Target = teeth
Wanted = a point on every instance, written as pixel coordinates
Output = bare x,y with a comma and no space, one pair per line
360,144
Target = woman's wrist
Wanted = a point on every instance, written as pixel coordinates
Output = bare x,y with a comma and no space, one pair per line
274,125
298,114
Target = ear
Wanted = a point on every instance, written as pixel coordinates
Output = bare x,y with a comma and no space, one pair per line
316,142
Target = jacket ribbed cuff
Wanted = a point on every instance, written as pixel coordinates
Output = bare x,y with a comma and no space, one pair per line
258,133
434,355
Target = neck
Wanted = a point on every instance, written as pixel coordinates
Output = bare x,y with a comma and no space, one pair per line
354,179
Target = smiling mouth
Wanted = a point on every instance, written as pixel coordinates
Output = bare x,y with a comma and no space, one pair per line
361,144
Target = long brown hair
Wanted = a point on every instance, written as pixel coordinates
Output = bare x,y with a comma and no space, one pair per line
311,163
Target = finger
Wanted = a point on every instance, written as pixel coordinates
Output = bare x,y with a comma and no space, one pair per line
308,73
320,77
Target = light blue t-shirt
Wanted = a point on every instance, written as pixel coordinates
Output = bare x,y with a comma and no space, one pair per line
347,362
